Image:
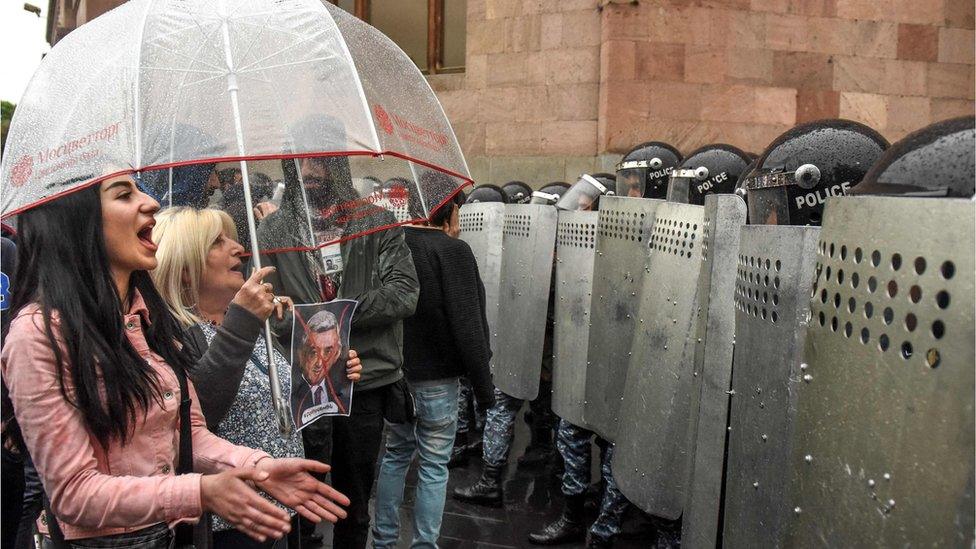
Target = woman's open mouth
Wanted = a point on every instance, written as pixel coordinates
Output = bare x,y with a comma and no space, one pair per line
145,236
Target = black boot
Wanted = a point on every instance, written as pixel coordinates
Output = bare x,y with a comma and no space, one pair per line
459,455
567,528
539,451
475,443
597,542
488,489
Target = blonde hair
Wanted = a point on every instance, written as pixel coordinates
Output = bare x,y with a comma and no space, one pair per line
184,237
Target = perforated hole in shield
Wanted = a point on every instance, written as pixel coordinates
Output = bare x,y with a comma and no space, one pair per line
912,300
757,287
617,224
576,235
471,222
518,225
675,236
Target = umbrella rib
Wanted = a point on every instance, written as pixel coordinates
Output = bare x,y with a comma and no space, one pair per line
192,60
257,38
206,37
184,85
174,69
280,65
278,29
162,36
242,16
247,76
281,51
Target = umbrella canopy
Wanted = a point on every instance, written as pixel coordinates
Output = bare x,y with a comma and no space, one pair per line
171,88
157,84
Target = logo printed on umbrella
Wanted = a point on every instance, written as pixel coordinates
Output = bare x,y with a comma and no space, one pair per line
22,170
398,195
384,119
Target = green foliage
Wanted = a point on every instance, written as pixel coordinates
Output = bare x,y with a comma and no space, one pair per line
6,113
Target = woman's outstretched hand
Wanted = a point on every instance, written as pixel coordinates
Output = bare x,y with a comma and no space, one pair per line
228,495
290,481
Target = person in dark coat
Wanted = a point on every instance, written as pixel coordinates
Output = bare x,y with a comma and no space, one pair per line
446,338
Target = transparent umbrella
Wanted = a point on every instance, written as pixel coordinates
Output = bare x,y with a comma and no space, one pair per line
166,87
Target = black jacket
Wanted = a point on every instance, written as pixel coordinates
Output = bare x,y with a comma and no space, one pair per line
378,272
448,334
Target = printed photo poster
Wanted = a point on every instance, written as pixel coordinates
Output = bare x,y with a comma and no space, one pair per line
319,351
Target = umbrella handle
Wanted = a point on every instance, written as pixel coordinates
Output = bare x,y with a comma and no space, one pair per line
286,424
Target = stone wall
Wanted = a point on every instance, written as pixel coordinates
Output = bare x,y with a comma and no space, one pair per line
553,88
741,71
527,105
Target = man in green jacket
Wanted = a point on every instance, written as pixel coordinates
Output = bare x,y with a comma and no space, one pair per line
378,271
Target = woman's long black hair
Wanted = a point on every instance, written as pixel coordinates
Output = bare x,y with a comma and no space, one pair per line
62,266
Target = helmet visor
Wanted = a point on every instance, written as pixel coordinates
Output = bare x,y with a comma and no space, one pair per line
768,206
679,187
768,195
541,197
631,182
582,195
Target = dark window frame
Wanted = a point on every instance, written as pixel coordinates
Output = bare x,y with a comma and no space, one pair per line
435,34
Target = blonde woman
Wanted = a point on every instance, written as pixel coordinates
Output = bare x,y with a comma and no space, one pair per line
200,277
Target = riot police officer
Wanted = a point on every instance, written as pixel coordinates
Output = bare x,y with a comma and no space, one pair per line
550,194
499,425
486,192
937,160
708,170
573,442
644,171
800,169
518,192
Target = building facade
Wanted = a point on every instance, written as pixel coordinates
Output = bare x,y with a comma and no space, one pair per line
553,88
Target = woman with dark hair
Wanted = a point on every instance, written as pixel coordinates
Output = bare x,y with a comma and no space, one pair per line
97,372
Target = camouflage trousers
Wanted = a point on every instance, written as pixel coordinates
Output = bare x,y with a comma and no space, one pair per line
468,417
574,446
499,428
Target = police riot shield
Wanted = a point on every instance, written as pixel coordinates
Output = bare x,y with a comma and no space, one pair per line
712,373
398,208
527,257
650,460
575,248
622,248
482,224
883,450
774,274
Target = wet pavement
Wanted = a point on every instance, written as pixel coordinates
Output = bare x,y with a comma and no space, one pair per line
532,500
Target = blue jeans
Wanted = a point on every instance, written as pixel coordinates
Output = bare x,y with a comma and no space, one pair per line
431,437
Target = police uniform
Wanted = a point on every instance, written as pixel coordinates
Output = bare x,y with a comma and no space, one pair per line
573,444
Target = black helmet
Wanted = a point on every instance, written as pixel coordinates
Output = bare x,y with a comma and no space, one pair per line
586,192
646,169
517,192
806,165
937,160
487,193
712,169
550,194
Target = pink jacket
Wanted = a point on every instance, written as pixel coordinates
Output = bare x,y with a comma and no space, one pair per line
95,492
